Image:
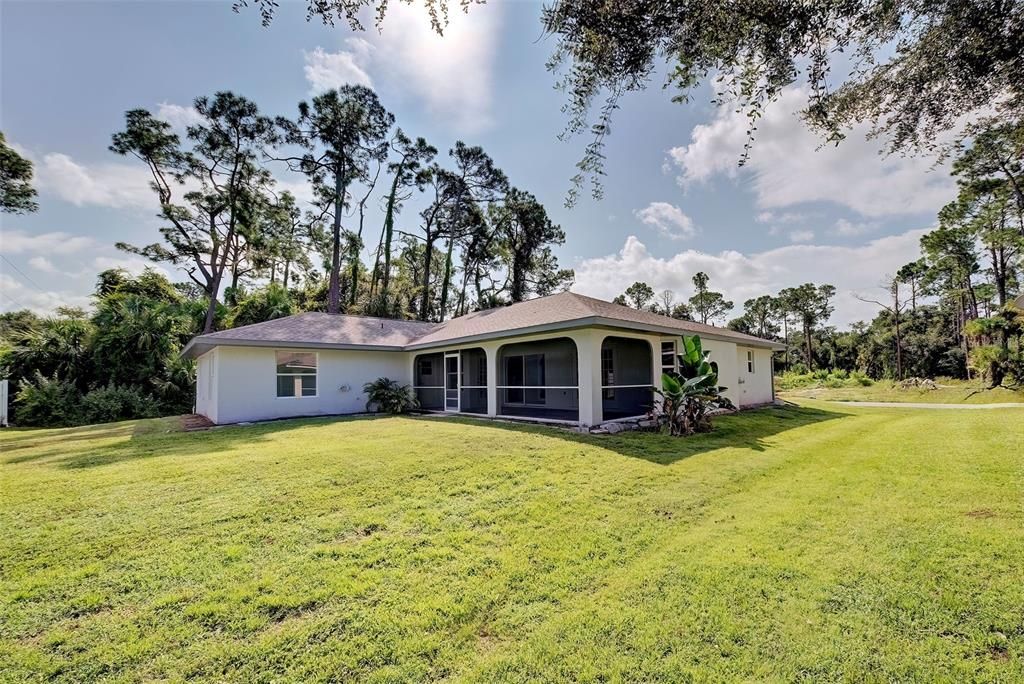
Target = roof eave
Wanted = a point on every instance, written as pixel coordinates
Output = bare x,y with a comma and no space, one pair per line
198,346
591,321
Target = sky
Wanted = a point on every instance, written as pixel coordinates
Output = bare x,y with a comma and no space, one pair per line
676,201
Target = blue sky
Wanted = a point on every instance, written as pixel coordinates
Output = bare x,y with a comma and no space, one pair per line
675,200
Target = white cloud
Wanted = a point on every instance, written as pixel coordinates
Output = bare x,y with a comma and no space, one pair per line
328,70
16,295
781,217
848,228
41,263
113,185
178,116
801,235
20,242
452,75
788,167
132,264
669,220
741,276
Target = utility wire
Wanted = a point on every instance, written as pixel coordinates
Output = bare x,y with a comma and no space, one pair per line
27,279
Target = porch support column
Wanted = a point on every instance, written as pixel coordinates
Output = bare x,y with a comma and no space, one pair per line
656,370
588,353
491,350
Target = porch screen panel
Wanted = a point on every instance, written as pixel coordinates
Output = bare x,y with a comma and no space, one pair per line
473,391
428,381
539,380
627,387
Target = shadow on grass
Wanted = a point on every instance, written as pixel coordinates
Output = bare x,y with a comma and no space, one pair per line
747,430
70,448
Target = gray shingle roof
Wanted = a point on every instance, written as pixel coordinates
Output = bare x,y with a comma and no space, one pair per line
327,329
562,308
566,308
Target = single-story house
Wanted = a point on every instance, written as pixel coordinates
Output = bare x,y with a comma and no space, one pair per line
565,357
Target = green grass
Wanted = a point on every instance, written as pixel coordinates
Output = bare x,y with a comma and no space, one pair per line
949,392
812,543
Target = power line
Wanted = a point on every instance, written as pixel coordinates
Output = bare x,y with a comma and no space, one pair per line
16,302
27,279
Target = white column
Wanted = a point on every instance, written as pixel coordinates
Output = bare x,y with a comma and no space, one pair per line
491,350
655,369
588,351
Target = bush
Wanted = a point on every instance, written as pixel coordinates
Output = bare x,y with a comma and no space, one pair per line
822,378
47,402
389,396
113,403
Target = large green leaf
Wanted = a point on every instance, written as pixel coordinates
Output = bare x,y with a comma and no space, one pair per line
670,384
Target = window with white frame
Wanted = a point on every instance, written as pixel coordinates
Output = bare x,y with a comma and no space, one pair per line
296,374
668,356
750,361
608,371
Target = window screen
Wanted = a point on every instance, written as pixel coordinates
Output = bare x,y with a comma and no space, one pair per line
296,374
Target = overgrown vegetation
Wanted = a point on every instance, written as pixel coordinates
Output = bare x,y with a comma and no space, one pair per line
801,379
402,549
121,361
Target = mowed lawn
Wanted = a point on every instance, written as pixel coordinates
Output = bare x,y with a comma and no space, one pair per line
948,392
812,543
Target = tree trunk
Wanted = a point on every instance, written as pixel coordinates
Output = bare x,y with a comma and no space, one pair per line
785,333
807,341
899,350
375,278
447,277
425,282
334,287
389,231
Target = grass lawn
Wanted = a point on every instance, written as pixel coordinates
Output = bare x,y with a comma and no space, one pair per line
818,542
949,392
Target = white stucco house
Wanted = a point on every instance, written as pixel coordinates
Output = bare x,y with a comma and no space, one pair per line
565,357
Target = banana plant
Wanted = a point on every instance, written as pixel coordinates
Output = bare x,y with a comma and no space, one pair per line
695,362
682,403
687,395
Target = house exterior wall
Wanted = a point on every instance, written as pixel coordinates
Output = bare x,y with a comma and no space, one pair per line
725,355
246,383
236,383
206,384
754,388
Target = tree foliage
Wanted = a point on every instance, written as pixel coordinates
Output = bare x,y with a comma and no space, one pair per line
17,196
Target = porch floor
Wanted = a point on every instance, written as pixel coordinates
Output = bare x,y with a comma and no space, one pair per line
531,412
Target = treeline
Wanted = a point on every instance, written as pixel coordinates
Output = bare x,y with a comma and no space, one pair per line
120,361
252,251
949,313
477,241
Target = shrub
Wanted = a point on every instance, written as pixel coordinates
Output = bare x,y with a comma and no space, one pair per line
389,396
822,378
112,403
47,402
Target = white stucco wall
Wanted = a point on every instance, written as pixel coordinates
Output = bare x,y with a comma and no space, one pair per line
236,384
724,354
206,384
755,388
246,383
